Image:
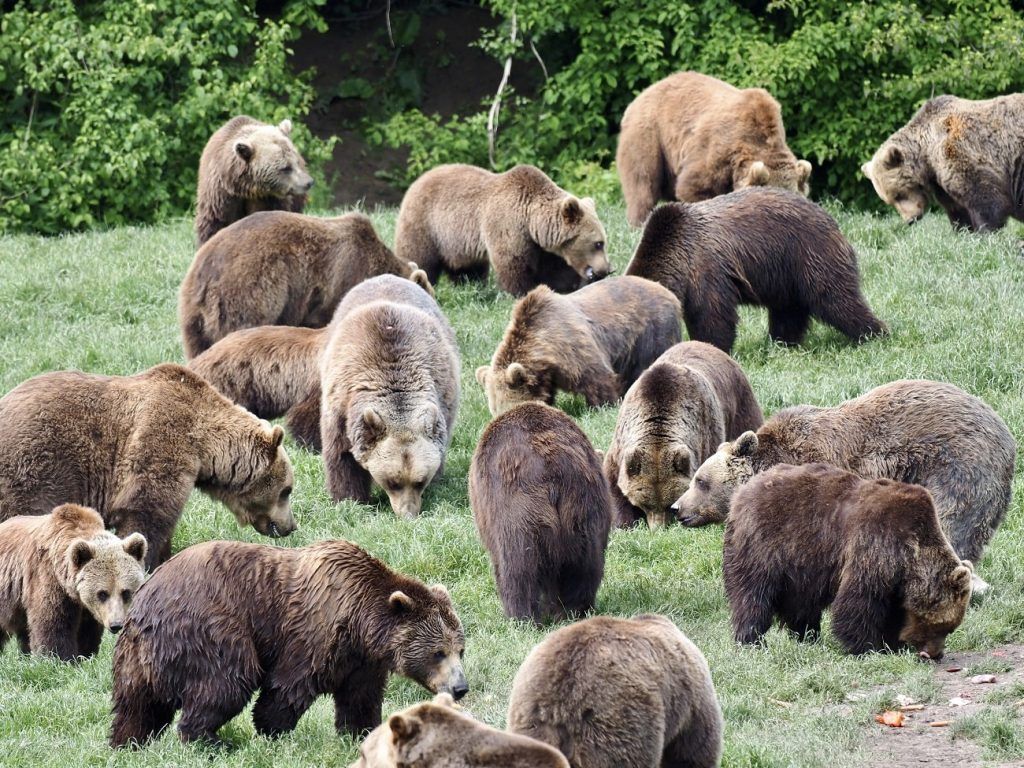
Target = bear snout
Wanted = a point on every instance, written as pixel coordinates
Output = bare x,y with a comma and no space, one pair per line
116,627
459,691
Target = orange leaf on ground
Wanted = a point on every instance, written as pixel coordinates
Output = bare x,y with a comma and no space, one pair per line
890,718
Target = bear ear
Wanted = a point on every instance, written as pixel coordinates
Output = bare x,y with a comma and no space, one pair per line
244,150
445,700
758,174
440,591
430,419
961,576
572,213
403,728
745,444
682,460
80,552
589,204
968,565
136,546
481,375
400,602
276,436
285,127
600,455
866,170
373,428
893,157
803,169
515,375
634,462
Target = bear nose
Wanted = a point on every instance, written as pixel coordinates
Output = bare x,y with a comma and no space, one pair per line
309,184
460,690
115,628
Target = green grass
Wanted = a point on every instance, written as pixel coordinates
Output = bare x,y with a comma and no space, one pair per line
105,302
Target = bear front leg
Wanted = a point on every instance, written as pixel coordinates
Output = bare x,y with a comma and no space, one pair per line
358,700
90,635
346,479
158,532
601,387
53,622
624,514
862,612
152,508
715,324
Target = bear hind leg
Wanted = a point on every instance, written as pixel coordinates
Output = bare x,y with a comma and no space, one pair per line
274,714
577,586
519,585
788,326
700,744
205,711
138,715
303,421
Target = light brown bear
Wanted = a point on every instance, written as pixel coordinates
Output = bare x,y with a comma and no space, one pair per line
439,734
63,578
673,418
134,447
596,342
690,137
248,166
619,693
456,217
966,155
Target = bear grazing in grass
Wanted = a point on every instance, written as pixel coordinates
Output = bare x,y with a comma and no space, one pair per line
134,447
459,218
673,418
596,341
765,247
221,620
619,693
542,510
690,137
799,539
966,155
63,578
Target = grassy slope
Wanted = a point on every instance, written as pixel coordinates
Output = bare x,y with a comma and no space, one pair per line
105,302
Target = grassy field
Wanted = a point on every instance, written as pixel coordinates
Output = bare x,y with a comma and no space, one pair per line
105,303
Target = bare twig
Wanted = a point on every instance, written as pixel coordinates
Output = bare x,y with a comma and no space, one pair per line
31,114
539,59
387,18
492,116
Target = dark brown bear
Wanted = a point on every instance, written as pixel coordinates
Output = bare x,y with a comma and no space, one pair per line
802,538
215,624
542,510
760,246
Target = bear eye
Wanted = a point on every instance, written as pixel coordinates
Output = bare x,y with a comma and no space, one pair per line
701,483
286,493
287,169
126,596
599,245
440,656
462,653
102,595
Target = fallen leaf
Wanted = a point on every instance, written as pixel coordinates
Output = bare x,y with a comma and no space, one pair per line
786,704
953,669
912,708
960,701
939,723
905,701
856,696
982,679
1000,654
890,718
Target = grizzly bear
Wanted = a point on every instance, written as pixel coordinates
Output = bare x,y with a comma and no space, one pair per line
802,538
690,137
439,733
760,246
966,155
248,166
280,268
213,625
542,509
673,418
456,217
63,578
596,342
619,693
134,447
389,378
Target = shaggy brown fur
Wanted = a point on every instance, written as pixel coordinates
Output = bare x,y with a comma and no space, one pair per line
619,693
542,509
673,418
224,619
760,246
596,341
455,217
690,137
802,538
134,447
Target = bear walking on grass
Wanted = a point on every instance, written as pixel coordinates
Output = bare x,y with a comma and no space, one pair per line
222,620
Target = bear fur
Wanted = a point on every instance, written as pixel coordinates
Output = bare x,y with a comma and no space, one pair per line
673,418
760,246
438,734
802,538
280,268
459,218
134,447
389,378
63,578
248,166
215,624
619,693
690,137
596,342
966,155
542,509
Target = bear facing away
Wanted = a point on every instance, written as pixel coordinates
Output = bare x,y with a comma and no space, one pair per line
690,137
596,342
459,218
134,447
224,619
63,578
760,246
966,155
619,693
673,418
800,539
542,509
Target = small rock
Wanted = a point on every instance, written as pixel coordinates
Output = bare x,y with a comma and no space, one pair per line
905,701
960,701
982,679
953,669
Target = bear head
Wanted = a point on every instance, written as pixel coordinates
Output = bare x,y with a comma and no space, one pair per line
653,477
512,386
793,176
427,642
106,572
897,182
579,238
271,165
410,736
716,480
936,592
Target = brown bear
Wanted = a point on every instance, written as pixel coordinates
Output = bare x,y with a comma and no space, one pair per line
63,578
280,268
134,447
248,166
761,246
215,624
966,155
802,538
542,509
673,418
619,693
690,137
389,377
438,733
596,342
456,217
